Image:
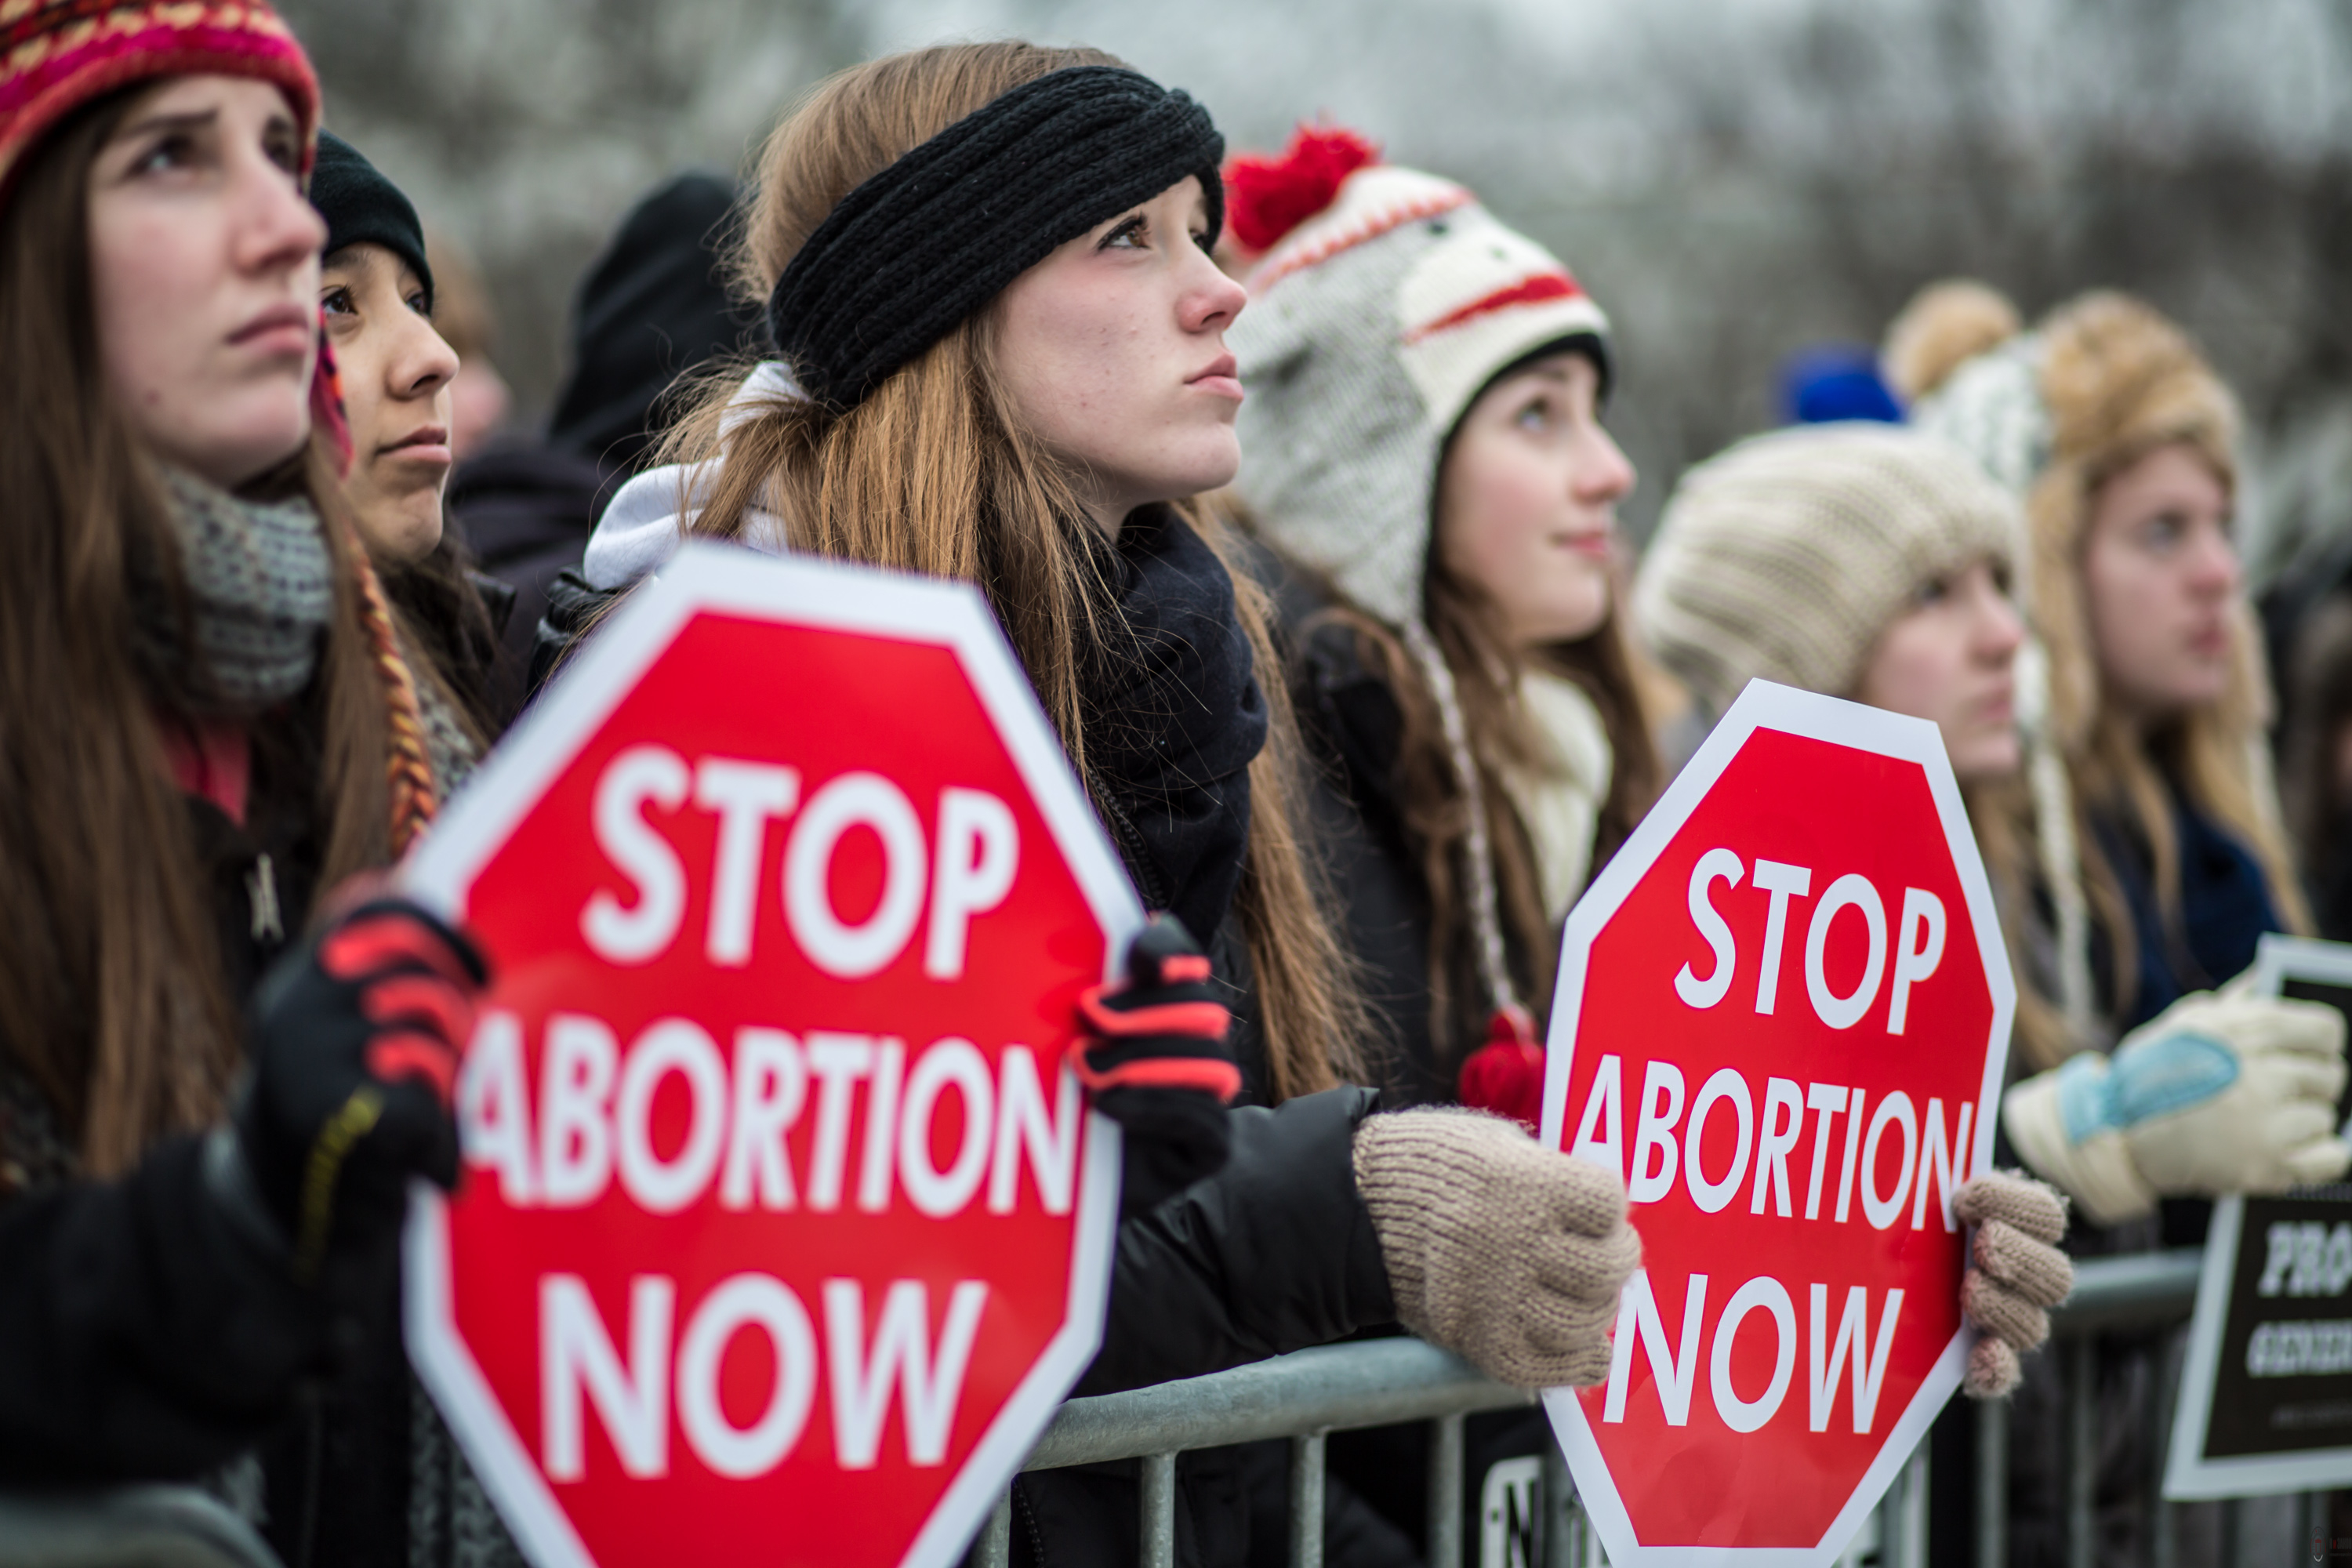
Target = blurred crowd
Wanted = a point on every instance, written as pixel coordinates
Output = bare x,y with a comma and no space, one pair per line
1289,476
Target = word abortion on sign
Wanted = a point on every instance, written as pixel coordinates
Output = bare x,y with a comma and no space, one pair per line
784,1225
1782,1018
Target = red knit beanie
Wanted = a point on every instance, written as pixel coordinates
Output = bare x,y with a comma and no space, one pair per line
58,55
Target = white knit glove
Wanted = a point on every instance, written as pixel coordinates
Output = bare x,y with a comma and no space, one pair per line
1505,1252
2214,1095
2016,1273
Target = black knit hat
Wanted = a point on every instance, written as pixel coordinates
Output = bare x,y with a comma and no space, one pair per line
920,247
653,307
362,207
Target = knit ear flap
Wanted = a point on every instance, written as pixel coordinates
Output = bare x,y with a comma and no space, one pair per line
1266,198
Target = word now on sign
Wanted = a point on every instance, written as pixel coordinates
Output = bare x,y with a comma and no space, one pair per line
784,1225
1783,1008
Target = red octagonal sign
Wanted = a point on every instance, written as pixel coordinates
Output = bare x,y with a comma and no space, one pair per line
1784,1016
783,1226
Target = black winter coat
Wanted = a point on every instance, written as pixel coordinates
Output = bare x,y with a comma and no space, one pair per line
1277,1251
525,510
1354,733
143,1335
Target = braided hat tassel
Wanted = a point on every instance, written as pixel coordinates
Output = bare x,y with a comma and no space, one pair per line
1486,919
1506,1074
409,768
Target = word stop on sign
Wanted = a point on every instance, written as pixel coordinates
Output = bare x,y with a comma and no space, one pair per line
784,1225
1782,1019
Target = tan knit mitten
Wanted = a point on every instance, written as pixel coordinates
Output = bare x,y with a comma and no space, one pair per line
1502,1251
2015,1273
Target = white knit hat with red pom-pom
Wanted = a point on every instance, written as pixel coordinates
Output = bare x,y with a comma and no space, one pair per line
1381,304
1382,301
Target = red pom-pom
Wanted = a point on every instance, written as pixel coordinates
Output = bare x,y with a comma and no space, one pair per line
1505,1075
1266,198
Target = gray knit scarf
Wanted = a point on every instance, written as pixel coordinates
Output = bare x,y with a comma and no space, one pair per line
262,588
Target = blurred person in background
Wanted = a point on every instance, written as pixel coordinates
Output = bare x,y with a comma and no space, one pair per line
397,374
2316,759
1904,553
2146,820
213,716
654,308
479,398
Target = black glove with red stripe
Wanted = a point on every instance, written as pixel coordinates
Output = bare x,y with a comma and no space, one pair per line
356,1040
1156,1062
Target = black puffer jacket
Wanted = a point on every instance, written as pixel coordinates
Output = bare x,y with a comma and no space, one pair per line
1355,732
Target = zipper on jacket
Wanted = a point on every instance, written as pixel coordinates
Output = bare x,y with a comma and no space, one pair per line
1132,848
1028,1518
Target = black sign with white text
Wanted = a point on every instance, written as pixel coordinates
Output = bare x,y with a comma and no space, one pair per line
2283,1383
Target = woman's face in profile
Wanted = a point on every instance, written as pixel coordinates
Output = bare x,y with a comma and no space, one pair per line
1113,351
397,375
1951,657
203,269
2160,573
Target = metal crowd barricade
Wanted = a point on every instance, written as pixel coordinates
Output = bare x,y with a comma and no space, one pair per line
1308,1395
126,1527
1304,1397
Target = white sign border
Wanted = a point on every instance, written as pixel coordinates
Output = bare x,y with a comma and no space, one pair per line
2189,1475
704,578
1766,705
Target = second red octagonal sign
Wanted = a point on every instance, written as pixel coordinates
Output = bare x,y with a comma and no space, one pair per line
783,1226
1784,1016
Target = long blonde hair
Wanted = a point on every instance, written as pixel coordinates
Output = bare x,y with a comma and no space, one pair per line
935,472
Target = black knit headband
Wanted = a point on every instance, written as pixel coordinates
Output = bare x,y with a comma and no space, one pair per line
917,249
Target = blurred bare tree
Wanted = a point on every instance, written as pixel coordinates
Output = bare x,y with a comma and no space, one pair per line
1732,180
525,128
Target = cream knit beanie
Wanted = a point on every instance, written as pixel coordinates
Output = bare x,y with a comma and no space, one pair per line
1786,557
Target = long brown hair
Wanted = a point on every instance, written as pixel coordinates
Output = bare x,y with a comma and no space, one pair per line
110,991
1487,669
935,472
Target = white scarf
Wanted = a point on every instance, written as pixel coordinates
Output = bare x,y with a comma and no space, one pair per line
653,513
1560,804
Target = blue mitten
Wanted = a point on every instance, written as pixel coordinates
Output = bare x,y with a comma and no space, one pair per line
2216,1094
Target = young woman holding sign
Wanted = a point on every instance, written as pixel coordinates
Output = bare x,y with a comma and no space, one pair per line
1026,393
211,715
